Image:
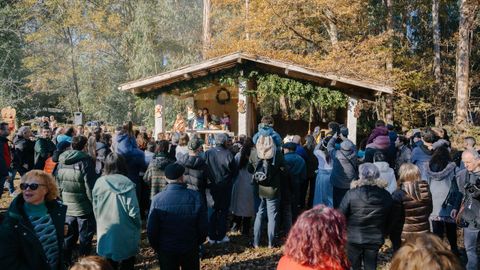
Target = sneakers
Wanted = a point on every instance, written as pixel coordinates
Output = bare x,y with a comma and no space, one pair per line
224,240
210,241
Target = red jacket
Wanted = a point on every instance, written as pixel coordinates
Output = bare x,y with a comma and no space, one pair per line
286,263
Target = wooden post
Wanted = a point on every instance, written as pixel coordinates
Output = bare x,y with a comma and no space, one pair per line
159,114
243,115
352,120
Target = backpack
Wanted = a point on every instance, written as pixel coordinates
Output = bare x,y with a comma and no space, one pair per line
263,172
265,147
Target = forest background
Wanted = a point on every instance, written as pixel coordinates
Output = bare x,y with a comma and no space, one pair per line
72,55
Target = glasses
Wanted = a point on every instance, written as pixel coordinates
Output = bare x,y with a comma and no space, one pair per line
32,186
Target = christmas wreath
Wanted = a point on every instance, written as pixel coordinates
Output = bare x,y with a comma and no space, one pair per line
223,96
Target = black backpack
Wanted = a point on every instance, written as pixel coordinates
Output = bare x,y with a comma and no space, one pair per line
263,172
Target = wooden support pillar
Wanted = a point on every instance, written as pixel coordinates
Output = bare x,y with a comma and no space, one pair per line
243,108
160,114
352,120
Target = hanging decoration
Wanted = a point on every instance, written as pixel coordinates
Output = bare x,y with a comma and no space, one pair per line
223,96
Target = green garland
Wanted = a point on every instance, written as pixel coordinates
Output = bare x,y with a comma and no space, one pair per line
300,95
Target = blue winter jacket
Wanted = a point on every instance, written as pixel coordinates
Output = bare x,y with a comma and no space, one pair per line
177,222
296,167
127,147
264,130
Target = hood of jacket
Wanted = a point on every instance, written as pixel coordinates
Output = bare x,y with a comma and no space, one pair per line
192,162
70,157
294,163
380,142
265,130
367,195
382,166
441,175
161,161
119,184
367,182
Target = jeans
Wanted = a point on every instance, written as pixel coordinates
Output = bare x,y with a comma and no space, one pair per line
366,253
79,228
268,208
217,227
470,237
127,264
173,261
338,194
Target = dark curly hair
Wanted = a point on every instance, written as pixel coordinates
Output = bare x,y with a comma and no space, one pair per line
318,234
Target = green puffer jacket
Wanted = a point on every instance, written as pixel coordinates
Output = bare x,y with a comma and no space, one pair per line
76,178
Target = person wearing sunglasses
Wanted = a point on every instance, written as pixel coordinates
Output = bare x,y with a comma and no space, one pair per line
31,235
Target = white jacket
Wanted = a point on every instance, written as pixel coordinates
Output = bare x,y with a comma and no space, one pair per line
387,174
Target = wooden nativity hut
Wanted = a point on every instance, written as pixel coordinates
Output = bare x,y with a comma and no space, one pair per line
229,84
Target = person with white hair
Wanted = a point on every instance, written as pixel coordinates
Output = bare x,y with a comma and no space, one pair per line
23,150
366,206
468,181
221,169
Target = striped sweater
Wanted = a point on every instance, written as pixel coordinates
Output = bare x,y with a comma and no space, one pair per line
45,231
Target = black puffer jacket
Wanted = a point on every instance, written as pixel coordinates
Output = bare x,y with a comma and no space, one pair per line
20,248
195,175
221,169
367,206
23,154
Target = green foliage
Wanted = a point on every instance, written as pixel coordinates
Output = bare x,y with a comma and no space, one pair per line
299,95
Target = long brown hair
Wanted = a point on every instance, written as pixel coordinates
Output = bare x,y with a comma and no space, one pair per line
425,251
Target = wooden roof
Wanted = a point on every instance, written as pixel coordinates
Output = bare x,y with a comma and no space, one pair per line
349,86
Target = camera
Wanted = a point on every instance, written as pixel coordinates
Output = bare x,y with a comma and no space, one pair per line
472,188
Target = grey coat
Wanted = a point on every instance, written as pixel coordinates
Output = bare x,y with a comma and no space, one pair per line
471,214
344,169
440,183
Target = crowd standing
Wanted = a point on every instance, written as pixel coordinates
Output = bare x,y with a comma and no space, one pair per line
333,202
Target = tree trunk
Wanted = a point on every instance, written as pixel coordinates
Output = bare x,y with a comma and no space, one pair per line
389,61
206,27
331,27
247,7
437,71
468,11
74,70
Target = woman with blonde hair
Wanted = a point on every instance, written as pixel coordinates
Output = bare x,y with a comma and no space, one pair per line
412,205
425,251
31,236
92,263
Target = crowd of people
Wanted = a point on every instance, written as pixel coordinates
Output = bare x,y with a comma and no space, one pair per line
333,203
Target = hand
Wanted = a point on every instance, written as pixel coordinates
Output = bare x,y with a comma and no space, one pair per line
65,230
453,214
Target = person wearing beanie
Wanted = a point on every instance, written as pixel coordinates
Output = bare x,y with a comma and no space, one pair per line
221,169
195,167
344,166
177,224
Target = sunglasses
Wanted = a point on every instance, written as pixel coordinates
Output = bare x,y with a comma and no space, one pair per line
32,186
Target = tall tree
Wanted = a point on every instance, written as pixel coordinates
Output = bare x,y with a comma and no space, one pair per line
437,71
468,13
206,27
